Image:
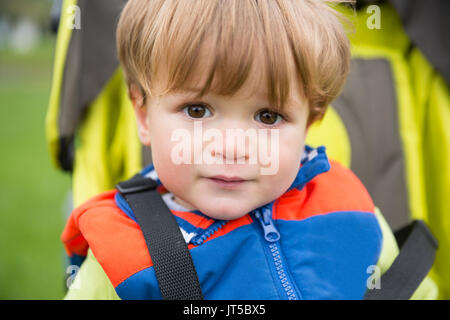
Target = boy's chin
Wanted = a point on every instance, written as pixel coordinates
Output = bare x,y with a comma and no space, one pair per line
227,211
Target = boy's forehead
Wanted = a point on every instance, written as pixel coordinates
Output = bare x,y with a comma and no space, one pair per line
254,85
253,89
209,63
194,89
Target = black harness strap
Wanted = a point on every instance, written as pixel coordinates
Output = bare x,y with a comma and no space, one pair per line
416,257
171,259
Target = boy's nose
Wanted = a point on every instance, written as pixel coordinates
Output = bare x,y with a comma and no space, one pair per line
235,146
231,153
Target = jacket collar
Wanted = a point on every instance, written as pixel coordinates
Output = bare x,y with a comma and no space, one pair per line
196,226
314,162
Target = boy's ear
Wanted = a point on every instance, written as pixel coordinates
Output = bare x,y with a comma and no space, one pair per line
140,109
307,128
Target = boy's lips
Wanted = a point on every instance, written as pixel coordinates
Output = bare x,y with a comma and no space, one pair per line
227,179
227,182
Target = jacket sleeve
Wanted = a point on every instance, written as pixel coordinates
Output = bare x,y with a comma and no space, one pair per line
91,282
427,289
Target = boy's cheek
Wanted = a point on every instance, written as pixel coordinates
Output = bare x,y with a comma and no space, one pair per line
169,169
288,166
275,185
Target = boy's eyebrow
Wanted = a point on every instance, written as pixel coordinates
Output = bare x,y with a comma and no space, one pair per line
187,90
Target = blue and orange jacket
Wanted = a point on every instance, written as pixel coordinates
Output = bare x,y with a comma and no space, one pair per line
316,241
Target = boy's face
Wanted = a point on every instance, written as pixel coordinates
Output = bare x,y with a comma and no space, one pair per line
176,125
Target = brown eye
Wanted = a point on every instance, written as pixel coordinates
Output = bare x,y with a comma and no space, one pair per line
268,117
196,111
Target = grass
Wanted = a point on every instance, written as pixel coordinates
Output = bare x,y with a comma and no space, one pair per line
32,192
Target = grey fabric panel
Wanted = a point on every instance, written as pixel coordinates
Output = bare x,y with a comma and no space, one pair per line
427,24
90,61
368,109
146,156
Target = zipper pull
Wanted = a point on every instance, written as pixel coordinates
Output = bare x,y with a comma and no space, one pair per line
271,233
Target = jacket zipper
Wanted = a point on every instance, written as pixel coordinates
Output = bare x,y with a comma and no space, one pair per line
272,237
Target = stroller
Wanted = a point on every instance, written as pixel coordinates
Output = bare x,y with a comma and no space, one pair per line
390,124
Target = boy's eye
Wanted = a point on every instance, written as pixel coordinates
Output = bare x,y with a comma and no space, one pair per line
268,117
196,111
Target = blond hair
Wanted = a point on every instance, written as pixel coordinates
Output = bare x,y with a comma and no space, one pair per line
304,35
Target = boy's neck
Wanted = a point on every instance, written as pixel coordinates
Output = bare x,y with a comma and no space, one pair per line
182,203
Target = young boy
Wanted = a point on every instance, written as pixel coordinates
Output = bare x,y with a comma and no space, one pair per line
290,225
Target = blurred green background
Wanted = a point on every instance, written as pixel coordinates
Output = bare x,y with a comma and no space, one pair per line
33,194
